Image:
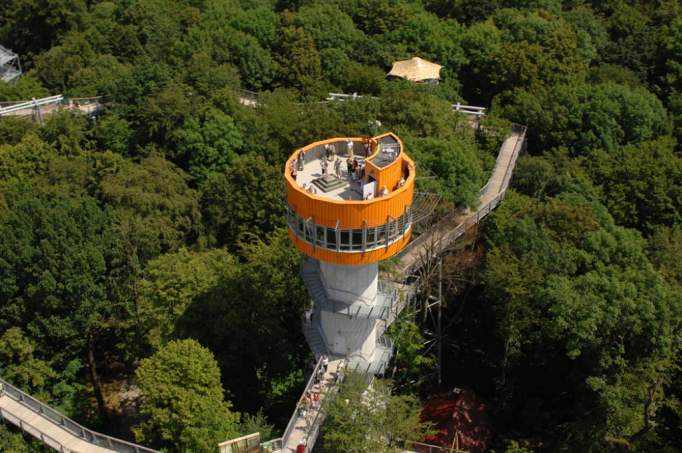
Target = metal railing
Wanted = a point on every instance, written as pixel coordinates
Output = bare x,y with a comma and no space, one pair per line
280,443
451,235
67,424
87,105
469,109
35,432
421,447
32,104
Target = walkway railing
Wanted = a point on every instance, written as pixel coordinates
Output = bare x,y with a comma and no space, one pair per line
46,412
36,108
35,432
313,428
443,234
13,107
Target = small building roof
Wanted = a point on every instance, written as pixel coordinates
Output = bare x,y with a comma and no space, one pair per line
416,70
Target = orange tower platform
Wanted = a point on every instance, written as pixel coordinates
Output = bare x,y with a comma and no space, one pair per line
349,205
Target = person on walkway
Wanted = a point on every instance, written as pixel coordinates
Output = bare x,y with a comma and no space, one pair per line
293,171
349,167
300,448
325,362
325,166
366,148
337,168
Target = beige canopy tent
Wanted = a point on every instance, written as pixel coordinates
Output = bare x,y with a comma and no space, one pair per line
416,70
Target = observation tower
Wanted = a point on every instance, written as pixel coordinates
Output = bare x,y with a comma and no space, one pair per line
349,205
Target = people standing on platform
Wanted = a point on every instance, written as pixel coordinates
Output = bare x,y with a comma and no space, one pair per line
349,167
337,168
349,145
366,147
325,166
325,362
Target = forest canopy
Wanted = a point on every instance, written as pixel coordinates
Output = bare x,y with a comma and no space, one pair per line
155,231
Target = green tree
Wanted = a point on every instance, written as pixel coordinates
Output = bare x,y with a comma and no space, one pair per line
259,346
182,405
243,199
361,419
640,183
299,59
32,27
20,367
454,163
209,143
411,360
585,117
153,208
171,282
24,89
575,296
329,27
58,257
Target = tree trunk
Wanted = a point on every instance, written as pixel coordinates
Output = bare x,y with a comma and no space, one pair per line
648,404
94,379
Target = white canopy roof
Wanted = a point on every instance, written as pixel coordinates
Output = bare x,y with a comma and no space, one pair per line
416,70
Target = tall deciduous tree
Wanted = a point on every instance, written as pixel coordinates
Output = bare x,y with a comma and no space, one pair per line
182,404
154,209
363,419
171,282
245,198
57,260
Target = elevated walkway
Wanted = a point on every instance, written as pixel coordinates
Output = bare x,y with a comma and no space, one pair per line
54,429
452,227
36,109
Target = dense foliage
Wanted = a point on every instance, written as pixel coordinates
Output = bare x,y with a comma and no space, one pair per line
146,246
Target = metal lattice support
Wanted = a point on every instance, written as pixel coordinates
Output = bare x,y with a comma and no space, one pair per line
10,66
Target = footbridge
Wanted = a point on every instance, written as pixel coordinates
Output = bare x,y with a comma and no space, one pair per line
37,109
444,233
54,429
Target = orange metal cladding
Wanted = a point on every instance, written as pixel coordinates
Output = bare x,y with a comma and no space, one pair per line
354,214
